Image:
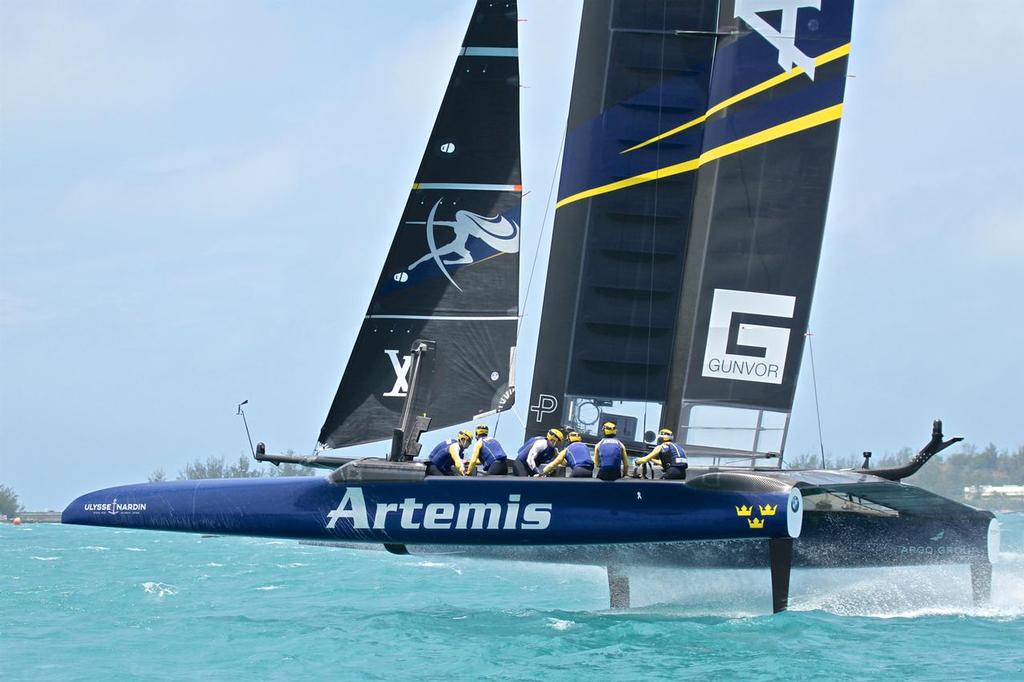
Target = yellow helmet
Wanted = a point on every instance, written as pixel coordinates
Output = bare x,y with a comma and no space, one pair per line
482,430
665,435
464,435
609,428
555,434
574,437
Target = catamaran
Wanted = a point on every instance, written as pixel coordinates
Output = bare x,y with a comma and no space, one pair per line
690,211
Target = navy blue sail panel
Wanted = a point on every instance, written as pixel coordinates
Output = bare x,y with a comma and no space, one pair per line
617,257
762,194
452,273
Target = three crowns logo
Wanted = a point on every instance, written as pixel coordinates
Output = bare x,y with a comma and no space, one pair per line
756,522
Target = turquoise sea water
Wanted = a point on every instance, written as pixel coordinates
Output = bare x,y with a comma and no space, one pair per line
88,603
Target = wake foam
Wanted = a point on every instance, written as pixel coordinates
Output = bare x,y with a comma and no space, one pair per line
160,590
438,564
559,624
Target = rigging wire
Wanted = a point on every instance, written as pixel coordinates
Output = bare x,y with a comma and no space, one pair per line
536,254
817,409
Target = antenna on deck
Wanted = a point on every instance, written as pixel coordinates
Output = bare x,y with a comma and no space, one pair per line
247,434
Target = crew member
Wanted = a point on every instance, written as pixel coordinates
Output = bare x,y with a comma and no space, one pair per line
610,458
670,455
536,452
576,455
488,451
446,457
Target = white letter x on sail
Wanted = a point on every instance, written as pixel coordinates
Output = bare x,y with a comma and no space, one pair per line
401,387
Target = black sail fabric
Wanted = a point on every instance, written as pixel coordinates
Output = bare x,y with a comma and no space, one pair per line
452,274
696,173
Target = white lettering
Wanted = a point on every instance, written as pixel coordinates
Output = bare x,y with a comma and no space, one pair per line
409,506
479,511
438,516
352,507
380,514
536,516
513,512
546,404
414,515
401,387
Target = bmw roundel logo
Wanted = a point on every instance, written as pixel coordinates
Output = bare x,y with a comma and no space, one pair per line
795,504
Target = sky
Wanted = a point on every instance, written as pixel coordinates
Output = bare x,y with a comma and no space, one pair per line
195,200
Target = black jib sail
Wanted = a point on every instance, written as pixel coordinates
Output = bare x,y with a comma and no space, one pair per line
452,273
695,181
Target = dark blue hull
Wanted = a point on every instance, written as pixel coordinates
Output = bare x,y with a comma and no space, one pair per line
499,511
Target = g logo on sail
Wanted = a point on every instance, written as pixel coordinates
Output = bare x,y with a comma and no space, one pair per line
758,351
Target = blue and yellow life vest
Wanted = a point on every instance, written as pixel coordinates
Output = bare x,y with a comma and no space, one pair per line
440,458
578,455
543,457
491,451
609,453
672,455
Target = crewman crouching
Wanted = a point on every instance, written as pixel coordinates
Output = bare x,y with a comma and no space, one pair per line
446,457
488,451
536,452
610,455
576,455
670,455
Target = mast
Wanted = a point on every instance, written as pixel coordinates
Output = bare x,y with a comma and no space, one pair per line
690,215
452,274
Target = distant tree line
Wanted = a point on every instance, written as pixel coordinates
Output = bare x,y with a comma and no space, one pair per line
245,467
945,474
9,505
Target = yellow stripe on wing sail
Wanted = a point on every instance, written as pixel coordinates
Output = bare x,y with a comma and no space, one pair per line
818,118
825,58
